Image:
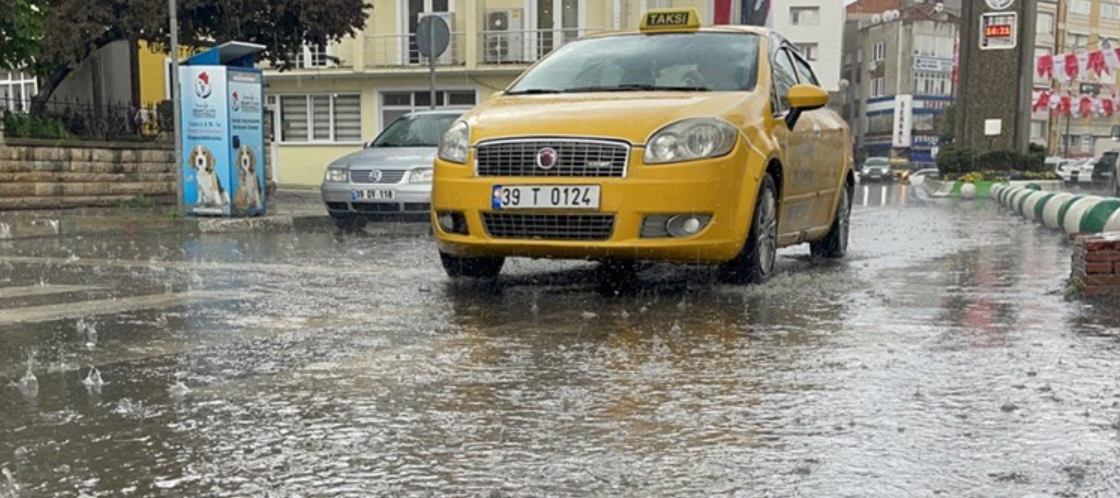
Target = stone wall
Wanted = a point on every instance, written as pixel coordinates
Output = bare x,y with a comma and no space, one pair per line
36,174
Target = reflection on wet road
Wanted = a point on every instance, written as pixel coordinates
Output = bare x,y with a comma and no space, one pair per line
938,360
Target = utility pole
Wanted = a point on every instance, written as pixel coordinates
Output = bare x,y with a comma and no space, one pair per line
173,9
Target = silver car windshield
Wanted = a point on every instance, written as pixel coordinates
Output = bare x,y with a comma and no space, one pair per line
720,62
421,130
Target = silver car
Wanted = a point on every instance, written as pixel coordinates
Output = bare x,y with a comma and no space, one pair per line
391,176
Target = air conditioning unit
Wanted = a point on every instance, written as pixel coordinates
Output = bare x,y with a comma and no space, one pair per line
504,36
448,56
872,66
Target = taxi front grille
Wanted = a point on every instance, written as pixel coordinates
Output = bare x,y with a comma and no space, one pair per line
580,158
549,226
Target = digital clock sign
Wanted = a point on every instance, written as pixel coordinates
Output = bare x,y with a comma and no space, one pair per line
997,31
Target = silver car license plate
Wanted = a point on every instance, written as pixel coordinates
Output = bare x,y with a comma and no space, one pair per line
373,195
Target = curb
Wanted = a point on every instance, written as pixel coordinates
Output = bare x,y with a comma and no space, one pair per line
73,226
1073,214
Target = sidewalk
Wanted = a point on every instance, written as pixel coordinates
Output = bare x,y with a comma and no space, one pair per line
290,209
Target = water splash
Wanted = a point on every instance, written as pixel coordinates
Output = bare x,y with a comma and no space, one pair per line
12,488
5,231
89,330
179,390
93,381
29,383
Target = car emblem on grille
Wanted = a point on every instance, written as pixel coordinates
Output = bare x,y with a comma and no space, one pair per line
375,176
547,158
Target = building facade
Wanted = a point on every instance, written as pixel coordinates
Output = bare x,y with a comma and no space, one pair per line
899,65
817,28
340,96
1081,26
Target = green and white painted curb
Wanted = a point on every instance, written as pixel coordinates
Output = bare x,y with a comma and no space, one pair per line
1069,212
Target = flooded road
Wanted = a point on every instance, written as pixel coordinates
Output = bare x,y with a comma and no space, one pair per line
939,359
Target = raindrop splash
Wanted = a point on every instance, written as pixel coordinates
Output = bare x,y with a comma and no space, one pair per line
12,487
179,390
5,231
29,384
89,330
93,381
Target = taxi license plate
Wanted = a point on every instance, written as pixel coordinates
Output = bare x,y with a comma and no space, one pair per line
373,195
545,197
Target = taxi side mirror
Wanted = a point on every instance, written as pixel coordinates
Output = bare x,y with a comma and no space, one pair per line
804,98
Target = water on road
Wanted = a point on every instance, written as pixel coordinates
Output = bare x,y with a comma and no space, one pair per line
938,359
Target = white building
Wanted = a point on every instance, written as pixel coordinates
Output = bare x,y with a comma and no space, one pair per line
817,27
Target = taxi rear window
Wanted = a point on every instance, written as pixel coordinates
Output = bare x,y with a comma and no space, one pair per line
718,62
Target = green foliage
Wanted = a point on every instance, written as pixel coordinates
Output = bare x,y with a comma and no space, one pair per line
946,124
969,165
955,161
1002,160
139,201
18,125
21,32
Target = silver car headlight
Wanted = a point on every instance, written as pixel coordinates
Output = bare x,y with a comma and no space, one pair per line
420,175
336,175
455,143
689,140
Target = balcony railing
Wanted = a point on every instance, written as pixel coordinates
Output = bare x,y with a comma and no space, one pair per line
524,46
383,51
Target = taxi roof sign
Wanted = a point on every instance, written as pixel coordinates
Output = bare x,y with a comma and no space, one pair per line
670,20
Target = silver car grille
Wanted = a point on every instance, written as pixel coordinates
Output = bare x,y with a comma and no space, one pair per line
388,176
549,226
583,158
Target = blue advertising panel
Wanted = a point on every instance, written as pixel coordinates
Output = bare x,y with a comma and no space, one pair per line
246,141
205,128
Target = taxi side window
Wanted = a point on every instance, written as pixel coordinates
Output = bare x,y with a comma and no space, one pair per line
785,77
805,72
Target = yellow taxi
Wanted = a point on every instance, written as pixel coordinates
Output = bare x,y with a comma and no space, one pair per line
675,143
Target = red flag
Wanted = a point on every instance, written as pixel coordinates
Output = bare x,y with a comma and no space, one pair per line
1045,66
1072,67
1065,105
1085,107
1097,63
1108,107
1042,102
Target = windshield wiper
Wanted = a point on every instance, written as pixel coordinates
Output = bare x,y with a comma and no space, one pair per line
637,88
533,91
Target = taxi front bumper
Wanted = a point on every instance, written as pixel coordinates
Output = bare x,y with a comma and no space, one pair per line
722,188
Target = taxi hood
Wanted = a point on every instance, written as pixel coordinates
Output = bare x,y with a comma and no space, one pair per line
619,115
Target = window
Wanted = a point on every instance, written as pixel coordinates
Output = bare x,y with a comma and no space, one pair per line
880,52
880,123
1045,24
859,56
805,72
809,50
16,90
923,123
1038,129
878,87
320,118
1110,11
396,104
785,77
1080,7
1077,40
805,16
314,56
933,46
932,83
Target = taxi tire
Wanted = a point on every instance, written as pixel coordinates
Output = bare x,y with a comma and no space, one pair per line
484,267
835,244
747,267
349,223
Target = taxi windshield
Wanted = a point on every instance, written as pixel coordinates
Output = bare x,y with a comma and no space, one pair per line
420,130
718,62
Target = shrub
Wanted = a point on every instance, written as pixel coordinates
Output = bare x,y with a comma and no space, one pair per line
17,125
1003,160
953,161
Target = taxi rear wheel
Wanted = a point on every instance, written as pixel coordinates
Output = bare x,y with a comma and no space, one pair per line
755,263
835,244
486,267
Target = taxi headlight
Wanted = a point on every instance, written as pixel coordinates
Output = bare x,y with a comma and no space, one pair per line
336,175
420,175
455,142
690,140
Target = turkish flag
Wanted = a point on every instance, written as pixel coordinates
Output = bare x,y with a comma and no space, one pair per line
1097,63
1085,107
1045,66
1065,105
1108,107
1042,101
1072,68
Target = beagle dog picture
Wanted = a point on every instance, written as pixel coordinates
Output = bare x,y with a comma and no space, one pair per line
210,191
248,195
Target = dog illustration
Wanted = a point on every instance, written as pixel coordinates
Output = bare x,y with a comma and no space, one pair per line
248,195
210,191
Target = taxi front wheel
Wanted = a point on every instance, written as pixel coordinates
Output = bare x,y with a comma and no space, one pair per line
755,263
835,244
485,267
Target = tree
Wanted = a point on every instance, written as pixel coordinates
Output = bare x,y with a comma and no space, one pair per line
21,31
79,27
946,129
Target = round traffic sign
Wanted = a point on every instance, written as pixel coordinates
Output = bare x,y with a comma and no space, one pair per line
433,35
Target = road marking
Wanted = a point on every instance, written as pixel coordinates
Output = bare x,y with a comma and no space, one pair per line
43,290
70,311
